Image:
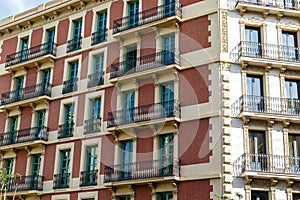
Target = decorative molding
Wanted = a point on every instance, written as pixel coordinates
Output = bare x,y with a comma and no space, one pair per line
261,184
224,31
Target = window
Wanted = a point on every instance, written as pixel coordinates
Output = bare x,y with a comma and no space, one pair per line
100,34
126,160
123,198
40,125
296,196
97,77
133,14
167,99
252,41
89,176
75,42
292,96
166,154
259,195
69,120
19,82
168,49
255,98
94,121
13,130
289,46
169,8
165,196
45,82
24,48
130,59
257,145
64,174
8,164
128,105
71,84
294,152
35,170
50,37
289,4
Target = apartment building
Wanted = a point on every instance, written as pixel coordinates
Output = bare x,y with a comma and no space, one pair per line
119,99
264,85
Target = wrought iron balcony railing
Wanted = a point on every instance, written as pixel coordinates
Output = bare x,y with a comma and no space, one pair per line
99,36
148,16
33,182
141,170
144,113
144,63
31,53
265,51
266,163
70,85
283,4
89,178
267,105
26,93
96,79
61,181
24,135
92,125
65,130
74,44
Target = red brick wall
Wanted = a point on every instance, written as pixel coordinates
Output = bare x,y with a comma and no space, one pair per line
74,195
88,23
77,157
116,12
36,37
191,190
104,194
58,72
107,152
188,2
62,31
7,80
149,4
148,44
143,192
80,111
113,54
193,85
84,65
110,101
53,115
49,162
9,46
145,145
194,142
21,162
26,118
2,122
194,34
146,92
46,197
31,77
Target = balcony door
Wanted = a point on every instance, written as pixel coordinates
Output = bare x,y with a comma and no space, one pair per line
167,99
252,46
128,105
294,152
168,49
257,145
292,96
35,170
296,196
13,130
101,26
130,59
289,46
40,124
255,98
133,14
169,8
69,120
50,37
19,82
24,48
91,165
259,195
64,168
45,83
166,154
126,160
289,4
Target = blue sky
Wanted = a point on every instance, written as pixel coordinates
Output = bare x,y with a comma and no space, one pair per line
13,7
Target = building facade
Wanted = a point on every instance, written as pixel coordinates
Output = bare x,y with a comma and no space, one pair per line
120,99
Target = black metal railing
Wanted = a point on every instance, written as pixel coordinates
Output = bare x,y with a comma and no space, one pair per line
61,181
283,4
266,51
96,79
99,36
148,16
266,163
141,170
144,113
92,125
144,63
74,44
70,85
34,182
24,135
65,130
26,93
31,53
268,105
88,178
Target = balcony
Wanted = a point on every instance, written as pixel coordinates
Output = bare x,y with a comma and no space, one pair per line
92,126
61,181
70,85
141,170
148,16
88,178
65,130
24,135
265,107
96,79
262,54
145,63
30,54
266,164
99,36
144,113
26,93
25,183
277,7
74,44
